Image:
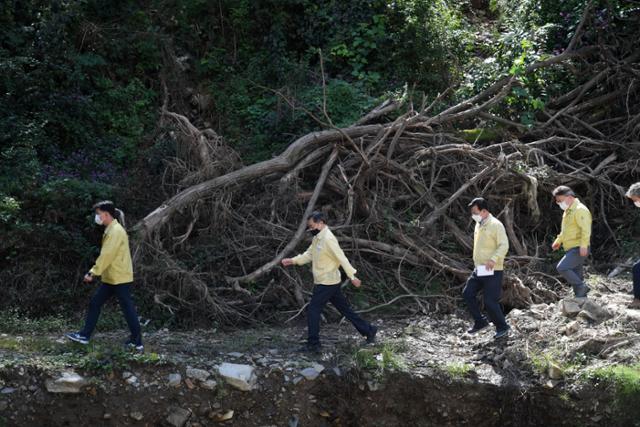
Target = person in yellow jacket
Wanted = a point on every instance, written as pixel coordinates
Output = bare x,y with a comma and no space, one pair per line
634,195
574,237
490,246
326,257
115,269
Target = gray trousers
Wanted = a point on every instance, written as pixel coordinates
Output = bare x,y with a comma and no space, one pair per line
570,267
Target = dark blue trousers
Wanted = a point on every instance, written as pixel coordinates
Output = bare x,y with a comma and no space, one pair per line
491,286
102,295
636,280
331,293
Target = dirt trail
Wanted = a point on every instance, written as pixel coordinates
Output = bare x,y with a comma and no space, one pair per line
424,372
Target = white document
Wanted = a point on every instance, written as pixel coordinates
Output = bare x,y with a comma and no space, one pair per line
482,271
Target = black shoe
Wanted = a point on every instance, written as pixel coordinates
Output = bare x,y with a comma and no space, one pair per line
477,327
310,348
371,336
501,334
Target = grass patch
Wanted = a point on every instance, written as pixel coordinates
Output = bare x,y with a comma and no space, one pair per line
541,361
47,354
385,357
625,379
459,370
28,344
625,382
14,322
103,357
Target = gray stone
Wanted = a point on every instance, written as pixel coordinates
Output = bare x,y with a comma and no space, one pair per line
136,415
572,328
570,307
594,312
174,380
241,377
310,373
69,382
374,385
178,417
555,371
198,374
209,384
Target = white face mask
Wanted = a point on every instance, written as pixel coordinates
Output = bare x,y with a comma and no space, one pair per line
563,205
98,220
477,218
637,204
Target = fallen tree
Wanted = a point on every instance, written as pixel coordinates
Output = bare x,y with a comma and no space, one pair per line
395,185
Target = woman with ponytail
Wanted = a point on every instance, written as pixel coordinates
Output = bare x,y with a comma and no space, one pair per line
115,269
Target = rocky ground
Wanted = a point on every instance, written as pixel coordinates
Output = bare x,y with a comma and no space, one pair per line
571,362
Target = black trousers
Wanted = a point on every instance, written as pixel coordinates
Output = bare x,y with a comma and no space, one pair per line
636,280
123,293
331,293
491,287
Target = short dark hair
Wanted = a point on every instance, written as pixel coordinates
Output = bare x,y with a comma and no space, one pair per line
109,206
480,202
106,206
317,216
563,190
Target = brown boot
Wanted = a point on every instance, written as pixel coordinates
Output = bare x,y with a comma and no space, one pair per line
635,304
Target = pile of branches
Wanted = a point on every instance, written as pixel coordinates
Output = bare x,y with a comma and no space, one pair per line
395,186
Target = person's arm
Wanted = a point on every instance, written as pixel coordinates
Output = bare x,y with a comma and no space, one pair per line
556,243
303,258
339,256
584,220
559,237
502,243
108,253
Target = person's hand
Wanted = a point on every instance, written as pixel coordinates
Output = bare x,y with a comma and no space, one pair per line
88,278
555,246
584,252
356,282
287,262
490,264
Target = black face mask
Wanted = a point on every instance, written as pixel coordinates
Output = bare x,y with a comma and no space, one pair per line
313,232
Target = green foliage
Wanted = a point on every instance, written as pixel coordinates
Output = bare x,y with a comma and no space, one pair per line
380,359
533,30
625,382
74,113
459,370
103,357
9,209
14,322
626,379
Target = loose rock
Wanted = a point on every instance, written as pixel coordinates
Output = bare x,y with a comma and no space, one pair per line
198,374
69,382
178,417
241,377
174,380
